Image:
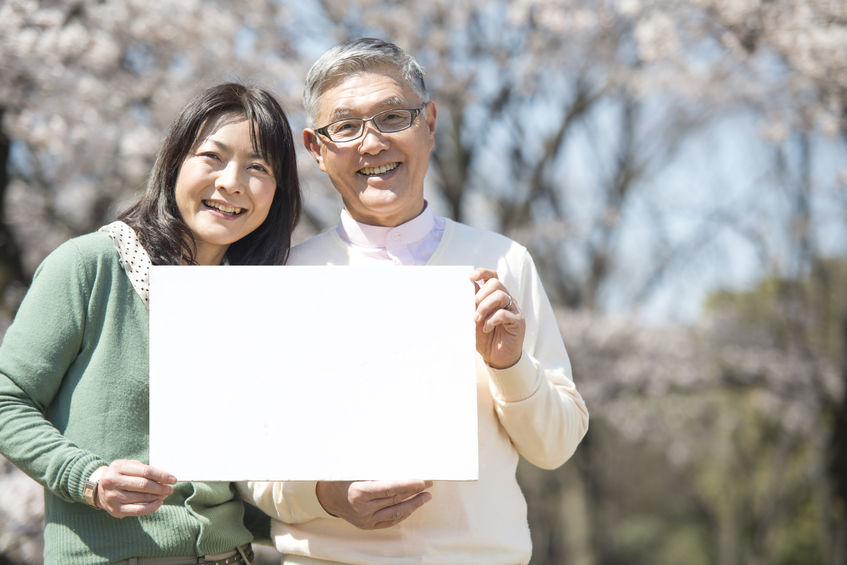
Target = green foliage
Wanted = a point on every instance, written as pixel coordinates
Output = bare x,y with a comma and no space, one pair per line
743,492
756,479
810,312
799,542
684,543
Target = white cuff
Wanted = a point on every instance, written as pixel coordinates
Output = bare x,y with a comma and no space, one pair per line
515,383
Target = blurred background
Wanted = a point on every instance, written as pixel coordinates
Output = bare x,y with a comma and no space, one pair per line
678,170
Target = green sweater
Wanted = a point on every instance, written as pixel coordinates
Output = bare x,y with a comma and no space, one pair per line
74,396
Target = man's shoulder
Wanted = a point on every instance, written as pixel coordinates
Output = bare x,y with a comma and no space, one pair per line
315,249
468,235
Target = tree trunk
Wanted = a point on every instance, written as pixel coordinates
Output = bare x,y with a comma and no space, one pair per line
838,466
11,267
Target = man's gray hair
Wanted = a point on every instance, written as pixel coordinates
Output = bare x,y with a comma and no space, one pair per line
354,57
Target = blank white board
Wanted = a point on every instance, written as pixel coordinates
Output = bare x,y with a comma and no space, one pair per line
313,373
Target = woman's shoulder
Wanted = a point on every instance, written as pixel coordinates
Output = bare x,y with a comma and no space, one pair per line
96,242
81,252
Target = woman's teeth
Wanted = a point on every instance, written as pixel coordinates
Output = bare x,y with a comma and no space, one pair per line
223,207
369,171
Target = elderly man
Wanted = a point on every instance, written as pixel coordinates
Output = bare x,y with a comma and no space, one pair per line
373,131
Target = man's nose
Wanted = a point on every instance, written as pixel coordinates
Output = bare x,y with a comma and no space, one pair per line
373,141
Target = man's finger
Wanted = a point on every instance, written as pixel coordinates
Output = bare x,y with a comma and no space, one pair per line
483,274
388,493
494,303
398,512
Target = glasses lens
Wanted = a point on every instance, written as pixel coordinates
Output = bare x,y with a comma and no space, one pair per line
393,120
345,129
386,122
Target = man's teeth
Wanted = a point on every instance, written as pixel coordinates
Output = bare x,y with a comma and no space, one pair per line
379,170
223,207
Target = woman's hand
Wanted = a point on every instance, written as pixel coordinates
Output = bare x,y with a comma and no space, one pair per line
131,488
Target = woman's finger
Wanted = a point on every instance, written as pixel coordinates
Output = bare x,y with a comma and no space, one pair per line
131,488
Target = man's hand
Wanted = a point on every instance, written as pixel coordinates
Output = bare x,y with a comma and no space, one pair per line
131,488
370,505
500,326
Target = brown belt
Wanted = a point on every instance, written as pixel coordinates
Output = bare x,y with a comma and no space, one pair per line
240,555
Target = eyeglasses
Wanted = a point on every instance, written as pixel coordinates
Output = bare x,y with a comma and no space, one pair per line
389,121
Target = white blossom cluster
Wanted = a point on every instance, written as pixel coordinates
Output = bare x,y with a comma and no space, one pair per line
21,515
669,385
89,88
555,116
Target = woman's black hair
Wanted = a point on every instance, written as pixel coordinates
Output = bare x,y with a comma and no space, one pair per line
155,217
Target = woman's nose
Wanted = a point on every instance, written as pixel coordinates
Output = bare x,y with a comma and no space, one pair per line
230,178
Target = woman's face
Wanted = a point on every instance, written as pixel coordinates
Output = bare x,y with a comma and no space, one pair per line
224,189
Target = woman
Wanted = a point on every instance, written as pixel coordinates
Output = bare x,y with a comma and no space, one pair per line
74,363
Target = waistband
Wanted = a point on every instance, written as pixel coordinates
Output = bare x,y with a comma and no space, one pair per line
303,560
242,554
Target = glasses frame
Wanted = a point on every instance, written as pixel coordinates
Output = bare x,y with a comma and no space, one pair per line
324,131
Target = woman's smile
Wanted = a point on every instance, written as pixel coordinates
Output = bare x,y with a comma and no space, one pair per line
225,210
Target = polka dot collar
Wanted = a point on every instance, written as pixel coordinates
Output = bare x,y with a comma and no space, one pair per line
133,257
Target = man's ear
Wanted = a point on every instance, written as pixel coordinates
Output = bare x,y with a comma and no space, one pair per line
313,146
430,116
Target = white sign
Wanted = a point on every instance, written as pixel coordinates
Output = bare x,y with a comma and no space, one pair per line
313,373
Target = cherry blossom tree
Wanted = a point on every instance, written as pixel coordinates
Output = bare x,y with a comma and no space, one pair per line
88,89
706,441
562,123
632,145
569,124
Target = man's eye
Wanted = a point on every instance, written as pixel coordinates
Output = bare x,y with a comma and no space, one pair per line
393,119
345,127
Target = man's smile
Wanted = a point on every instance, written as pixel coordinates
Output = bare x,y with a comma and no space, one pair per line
382,169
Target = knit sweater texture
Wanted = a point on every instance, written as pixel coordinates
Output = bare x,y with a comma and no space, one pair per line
531,409
74,396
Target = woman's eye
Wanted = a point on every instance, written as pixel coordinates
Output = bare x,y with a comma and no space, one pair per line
210,155
259,167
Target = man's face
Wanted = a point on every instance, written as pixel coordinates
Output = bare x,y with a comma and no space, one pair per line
380,176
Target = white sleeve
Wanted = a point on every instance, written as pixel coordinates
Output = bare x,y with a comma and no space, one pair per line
536,400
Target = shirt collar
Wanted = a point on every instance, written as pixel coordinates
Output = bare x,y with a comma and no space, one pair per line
382,237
